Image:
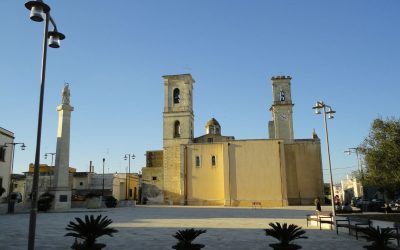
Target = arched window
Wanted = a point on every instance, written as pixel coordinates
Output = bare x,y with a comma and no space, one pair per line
177,129
213,161
177,96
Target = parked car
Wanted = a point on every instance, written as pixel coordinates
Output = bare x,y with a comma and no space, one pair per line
376,205
395,205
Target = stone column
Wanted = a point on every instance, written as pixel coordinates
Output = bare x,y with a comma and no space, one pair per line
62,188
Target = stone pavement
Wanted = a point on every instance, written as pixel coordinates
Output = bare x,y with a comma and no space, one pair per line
151,227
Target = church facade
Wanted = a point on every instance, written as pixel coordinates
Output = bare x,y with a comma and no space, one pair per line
214,169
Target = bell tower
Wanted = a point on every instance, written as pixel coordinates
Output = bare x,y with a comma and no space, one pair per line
178,119
178,114
281,126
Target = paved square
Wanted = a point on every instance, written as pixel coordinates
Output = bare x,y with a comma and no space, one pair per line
151,227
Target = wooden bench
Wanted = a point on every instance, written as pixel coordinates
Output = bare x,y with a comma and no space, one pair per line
321,218
395,232
254,204
356,224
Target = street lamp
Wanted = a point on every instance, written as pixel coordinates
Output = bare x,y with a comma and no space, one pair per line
10,188
357,151
128,157
102,192
51,169
320,105
39,11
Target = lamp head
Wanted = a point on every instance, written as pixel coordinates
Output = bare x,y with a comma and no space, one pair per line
54,38
125,158
330,113
133,156
317,108
38,10
23,146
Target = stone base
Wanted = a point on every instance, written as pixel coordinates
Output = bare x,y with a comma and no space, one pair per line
62,199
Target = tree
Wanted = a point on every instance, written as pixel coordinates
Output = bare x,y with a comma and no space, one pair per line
381,149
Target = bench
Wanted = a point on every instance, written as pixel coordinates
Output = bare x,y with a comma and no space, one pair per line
254,204
395,232
353,223
321,218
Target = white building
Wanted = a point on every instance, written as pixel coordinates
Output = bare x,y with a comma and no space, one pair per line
5,160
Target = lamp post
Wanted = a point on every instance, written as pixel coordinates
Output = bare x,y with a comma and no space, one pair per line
102,192
320,105
39,11
10,188
51,166
128,176
357,150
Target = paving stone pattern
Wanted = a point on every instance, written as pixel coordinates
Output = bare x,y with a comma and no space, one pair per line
152,227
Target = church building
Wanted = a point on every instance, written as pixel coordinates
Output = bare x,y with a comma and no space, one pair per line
214,169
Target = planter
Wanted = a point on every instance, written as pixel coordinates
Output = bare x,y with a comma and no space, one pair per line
278,246
191,247
94,202
97,246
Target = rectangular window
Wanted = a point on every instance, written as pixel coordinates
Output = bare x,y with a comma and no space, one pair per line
198,162
2,154
154,178
213,161
209,140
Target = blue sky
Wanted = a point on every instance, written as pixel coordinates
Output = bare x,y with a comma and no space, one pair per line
345,53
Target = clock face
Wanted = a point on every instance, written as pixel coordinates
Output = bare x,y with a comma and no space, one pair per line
283,116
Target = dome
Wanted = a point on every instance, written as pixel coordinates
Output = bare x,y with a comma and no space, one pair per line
212,122
213,127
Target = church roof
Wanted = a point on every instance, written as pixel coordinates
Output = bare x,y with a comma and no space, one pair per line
213,122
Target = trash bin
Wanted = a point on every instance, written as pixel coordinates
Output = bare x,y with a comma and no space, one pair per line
11,206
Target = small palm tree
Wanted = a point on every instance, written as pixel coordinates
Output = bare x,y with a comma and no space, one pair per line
185,238
379,237
89,230
285,234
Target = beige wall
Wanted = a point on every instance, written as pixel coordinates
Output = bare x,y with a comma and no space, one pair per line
257,173
152,190
304,171
76,181
205,185
5,166
246,171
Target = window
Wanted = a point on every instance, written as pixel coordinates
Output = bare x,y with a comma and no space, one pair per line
177,129
198,162
154,178
177,96
213,160
2,154
80,183
210,140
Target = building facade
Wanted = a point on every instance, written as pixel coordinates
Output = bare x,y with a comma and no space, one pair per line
219,170
5,161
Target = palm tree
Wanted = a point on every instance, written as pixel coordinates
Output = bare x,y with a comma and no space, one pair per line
89,230
185,238
379,237
285,234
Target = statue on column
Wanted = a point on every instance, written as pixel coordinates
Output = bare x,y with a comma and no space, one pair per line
65,94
